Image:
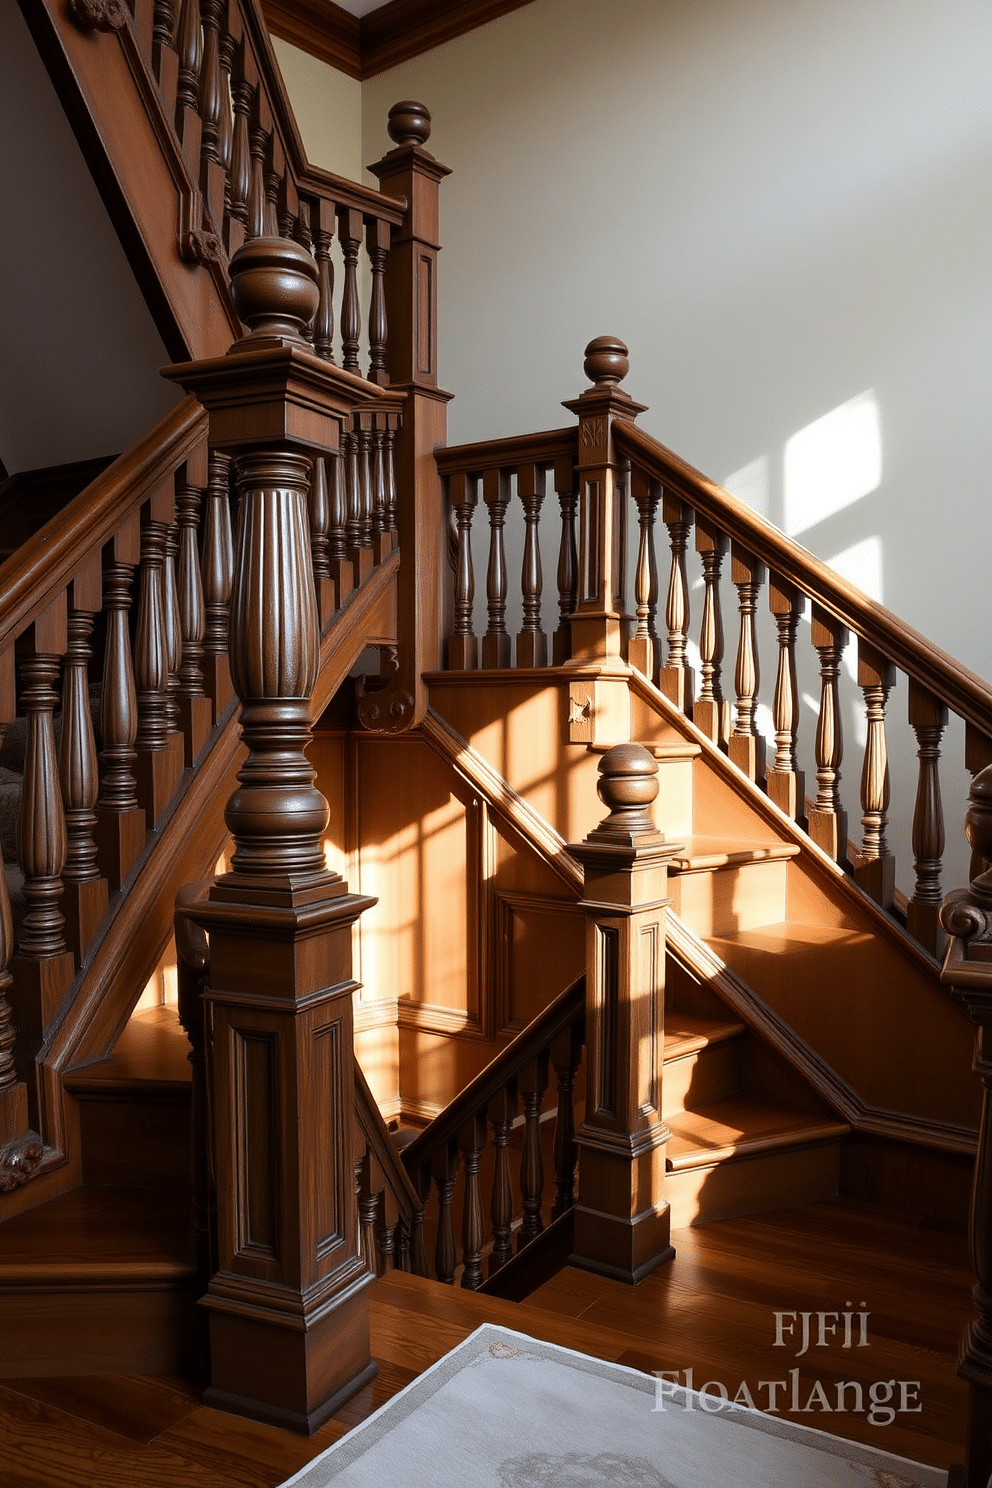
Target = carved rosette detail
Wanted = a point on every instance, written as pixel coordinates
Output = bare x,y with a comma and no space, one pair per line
20,1161
99,15
385,713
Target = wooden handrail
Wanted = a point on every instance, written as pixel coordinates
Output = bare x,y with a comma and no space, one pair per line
530,1042
41,569
522,449
964,692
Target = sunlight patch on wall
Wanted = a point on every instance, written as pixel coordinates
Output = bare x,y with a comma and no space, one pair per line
861,564
832,463
750,484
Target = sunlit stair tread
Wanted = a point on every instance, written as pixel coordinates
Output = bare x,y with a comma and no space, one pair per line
785,937
700,854
149,1057
740,1125
687,1033
97,1237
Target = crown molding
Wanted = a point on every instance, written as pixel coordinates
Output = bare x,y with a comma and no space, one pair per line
385,37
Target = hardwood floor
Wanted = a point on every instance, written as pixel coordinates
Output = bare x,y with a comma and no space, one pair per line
712,1310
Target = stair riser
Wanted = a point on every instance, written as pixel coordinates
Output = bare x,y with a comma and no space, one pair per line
699,1077
740,897
80,1331
142,1142
769,1180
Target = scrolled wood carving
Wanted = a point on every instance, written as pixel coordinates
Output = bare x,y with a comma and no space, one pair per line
99,15
200,246
20,1161
385,712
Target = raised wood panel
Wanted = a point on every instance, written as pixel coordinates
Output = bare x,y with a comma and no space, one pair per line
520,726
541,950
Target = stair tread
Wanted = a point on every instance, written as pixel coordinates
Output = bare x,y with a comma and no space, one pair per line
697,854
738,1125
686,1033
150,1056
99,1235
784,936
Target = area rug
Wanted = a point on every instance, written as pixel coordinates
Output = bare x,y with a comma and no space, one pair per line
503,1410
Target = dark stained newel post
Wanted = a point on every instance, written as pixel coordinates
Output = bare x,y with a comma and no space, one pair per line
287,1306
622,1220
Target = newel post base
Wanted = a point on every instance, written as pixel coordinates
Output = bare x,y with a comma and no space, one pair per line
287,1307
966,916
622,1219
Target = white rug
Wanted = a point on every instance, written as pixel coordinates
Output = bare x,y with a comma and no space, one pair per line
506,1411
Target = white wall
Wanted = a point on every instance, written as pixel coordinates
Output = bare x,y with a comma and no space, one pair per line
781,205
328,108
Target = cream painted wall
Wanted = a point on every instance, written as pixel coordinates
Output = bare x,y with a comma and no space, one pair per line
779,204
328,108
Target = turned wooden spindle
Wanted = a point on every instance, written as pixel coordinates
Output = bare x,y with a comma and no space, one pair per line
874,865
827,817
363,432
342,570
566,1056
225,118
675,677
350,238
160,749
85,890
377,475
746,747
195,707
385,1233
322,226
710,712
217,572
445,1172
966,917
173,623
189,50
496,641
471,1141
463,646
8,1028
928,719
389,478
320,524
532,643
622,1221
211,82
377,243
239,172
642,648
785,781
568,558
532,1082
502,1111
257,146
43,835
366,1182
120,818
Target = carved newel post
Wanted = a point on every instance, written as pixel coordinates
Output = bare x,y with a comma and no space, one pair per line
599,705
967,918
288,1312
622,1221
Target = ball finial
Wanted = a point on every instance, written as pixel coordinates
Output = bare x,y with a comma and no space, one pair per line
606,361
978,822
274,290
409,123
628,783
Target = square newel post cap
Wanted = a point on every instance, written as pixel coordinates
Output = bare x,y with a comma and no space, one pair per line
626,858
271,388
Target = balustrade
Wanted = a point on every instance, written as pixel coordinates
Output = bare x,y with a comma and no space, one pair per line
702,526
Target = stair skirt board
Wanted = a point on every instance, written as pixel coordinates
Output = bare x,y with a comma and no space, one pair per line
113,1329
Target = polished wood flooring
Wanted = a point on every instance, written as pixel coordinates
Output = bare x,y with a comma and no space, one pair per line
711,1310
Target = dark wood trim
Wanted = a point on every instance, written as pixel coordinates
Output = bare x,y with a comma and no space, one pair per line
523,449
386,37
